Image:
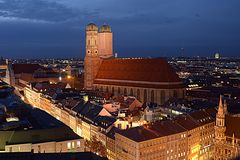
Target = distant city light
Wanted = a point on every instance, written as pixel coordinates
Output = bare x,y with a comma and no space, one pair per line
12,119
217,56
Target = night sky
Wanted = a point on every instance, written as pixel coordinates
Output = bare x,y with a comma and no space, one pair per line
142,28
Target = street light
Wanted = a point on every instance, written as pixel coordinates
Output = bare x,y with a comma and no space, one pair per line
71,79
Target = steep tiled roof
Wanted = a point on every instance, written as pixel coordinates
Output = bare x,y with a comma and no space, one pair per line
186,122
232,126
155,73
152,131
25,68
29,68
202,117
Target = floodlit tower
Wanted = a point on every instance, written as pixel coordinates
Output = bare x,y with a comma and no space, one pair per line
105,41
92,59
220,127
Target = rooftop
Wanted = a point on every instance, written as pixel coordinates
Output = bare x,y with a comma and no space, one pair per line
155,73
164,128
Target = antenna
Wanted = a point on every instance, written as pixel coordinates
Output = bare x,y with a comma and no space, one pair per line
182,52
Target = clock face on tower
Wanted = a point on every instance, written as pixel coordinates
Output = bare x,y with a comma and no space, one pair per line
89,52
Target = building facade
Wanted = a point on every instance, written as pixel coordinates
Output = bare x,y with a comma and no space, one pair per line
227,134
147,79
76,145
187,137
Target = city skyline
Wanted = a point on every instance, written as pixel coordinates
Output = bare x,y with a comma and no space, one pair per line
50,28
65,93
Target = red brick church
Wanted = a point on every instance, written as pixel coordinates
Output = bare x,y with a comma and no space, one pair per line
150,80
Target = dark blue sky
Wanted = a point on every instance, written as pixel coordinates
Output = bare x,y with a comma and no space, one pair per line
55,28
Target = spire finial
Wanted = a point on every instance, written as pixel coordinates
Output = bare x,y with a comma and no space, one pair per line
220,101
220,106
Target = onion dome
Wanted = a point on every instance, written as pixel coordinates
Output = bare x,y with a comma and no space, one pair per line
91,27
105,28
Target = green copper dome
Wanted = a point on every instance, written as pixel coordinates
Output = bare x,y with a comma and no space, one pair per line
91,27
105,28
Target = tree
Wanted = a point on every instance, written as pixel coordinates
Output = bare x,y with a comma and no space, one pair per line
96,146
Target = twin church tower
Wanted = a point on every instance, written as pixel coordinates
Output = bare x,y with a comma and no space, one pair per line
148,79
99,46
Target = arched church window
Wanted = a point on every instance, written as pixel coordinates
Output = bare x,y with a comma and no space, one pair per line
145,95
138,94
163,95
152,96
131,92
119,91
107,90
112,90
125,91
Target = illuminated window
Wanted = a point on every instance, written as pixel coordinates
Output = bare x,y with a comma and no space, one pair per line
73,145
69,145
78,144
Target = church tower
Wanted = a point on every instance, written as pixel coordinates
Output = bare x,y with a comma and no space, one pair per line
98,47
220,127
105,37
92,59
